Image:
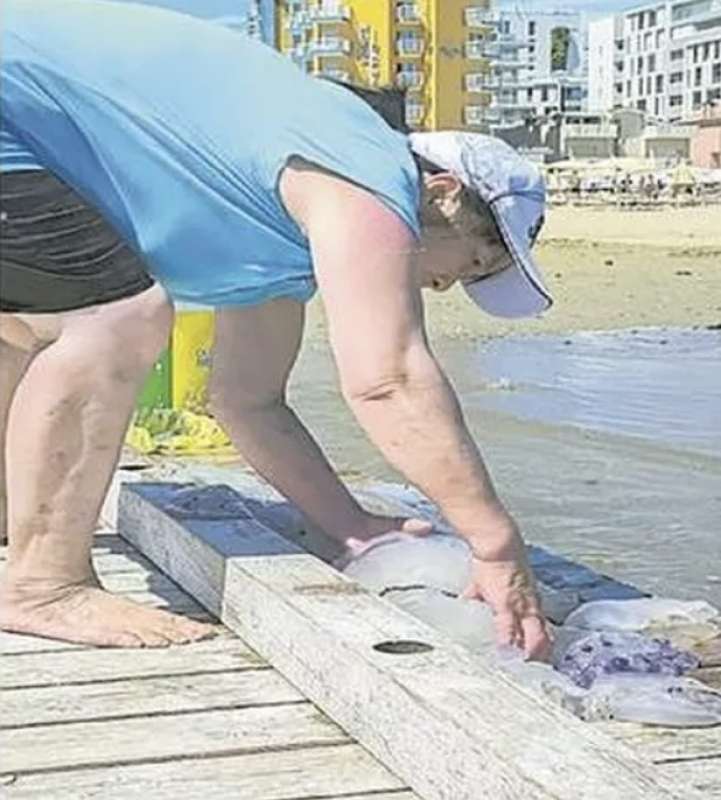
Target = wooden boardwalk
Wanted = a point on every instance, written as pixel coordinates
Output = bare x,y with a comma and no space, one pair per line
216,720
200,722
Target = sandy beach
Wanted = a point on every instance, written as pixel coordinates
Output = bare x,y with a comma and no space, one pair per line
608,269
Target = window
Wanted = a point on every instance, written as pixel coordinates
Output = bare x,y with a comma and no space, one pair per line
677,55
675,100
707,51
649,84
529,95
713,94
675,77
628,88
532,28
717,50
660,38
641,105
697,99
698,76
695,54
651,61
639,64
716,73
641,21
651,19
640,85
659,84
647,40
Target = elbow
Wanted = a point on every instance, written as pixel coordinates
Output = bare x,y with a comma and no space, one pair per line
359,391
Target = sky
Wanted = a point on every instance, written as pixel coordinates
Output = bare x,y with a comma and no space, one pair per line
595,8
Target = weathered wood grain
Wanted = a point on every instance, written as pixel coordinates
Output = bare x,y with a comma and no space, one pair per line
448,723
123,741
335,771
666,744
86,666
704,775
162,695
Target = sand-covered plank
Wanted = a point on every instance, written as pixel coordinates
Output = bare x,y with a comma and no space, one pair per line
87,666
343,771
124,698
124,741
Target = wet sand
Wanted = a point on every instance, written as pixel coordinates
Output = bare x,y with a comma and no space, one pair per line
607,270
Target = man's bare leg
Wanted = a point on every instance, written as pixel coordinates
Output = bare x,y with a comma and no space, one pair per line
64,435
13,361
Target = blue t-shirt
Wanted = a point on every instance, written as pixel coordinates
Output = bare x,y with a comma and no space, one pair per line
177,130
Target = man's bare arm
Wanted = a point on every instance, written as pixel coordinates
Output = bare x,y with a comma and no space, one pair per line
364,266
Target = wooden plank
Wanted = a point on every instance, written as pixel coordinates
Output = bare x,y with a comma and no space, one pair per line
448,723
703,775
106,743
342,771
33,670
666,744
110,700
12,644
711,676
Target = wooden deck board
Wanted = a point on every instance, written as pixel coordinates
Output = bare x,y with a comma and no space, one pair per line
33,670
201,733
161,695
335,771
206,721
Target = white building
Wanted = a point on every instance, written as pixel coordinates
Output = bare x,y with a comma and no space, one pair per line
527,80
663,58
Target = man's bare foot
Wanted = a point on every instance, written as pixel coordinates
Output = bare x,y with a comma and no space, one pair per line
87,614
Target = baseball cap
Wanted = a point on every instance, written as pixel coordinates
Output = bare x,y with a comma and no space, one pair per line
514,191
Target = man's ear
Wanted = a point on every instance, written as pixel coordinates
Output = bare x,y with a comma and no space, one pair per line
443,186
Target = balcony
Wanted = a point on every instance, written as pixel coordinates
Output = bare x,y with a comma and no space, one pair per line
482,82
476,50
699,11
600,131
336,74
477,17
407,46
335,46
668,131
328,13
475,115
410,79
507,104
415,112
408,13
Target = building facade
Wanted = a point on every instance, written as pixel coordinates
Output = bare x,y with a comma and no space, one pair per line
662,58
434,49
538,64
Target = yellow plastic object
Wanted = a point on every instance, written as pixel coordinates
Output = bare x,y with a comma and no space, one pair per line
167,431
178,422
192,344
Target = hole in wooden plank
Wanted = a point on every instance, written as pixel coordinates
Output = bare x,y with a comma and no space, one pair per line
402,647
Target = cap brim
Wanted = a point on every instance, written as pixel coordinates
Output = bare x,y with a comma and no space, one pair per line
517,291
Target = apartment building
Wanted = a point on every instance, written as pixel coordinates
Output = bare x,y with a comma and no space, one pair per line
663,58
538,63
435,49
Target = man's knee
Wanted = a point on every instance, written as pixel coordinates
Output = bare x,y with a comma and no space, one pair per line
120,340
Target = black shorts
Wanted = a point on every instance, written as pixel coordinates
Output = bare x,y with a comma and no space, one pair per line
57,253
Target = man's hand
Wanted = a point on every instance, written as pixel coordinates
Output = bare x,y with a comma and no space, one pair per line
509,589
